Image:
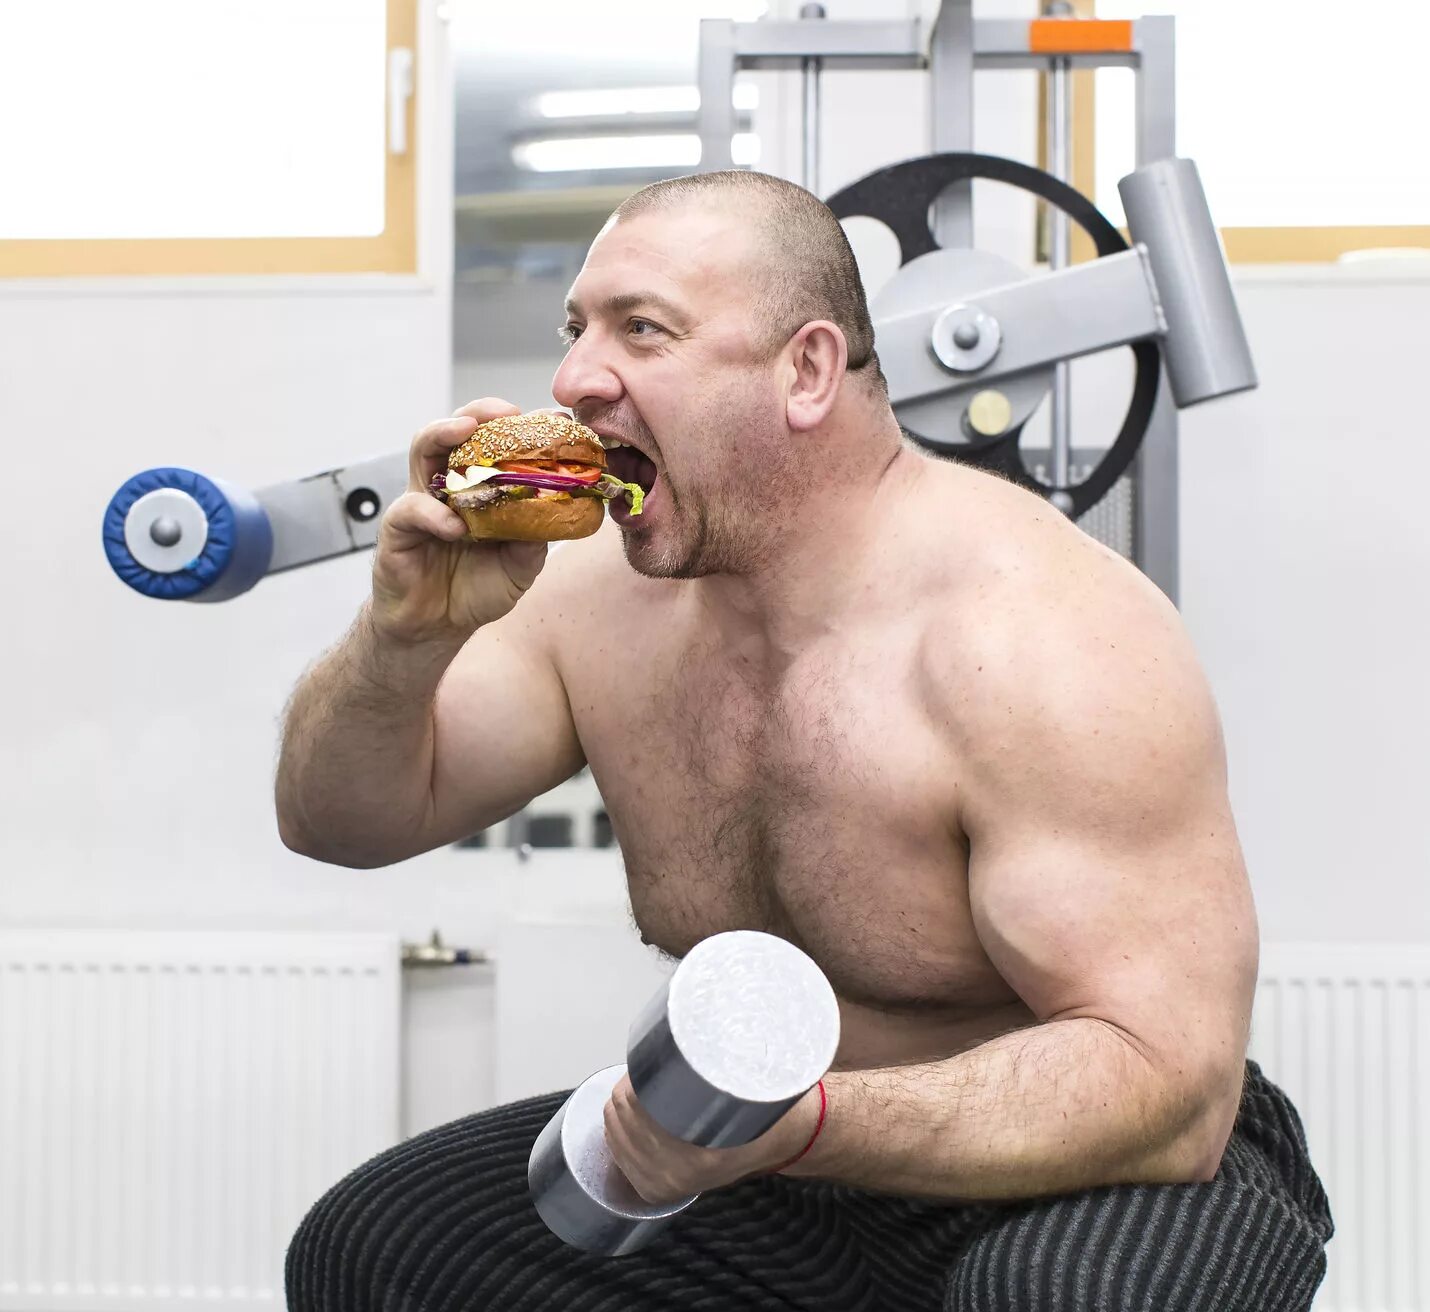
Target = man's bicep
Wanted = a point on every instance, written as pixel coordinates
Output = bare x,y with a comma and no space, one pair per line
504,731
1106,879
1149,937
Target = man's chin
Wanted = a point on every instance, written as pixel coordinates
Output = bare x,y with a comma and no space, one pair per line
658,553
654,562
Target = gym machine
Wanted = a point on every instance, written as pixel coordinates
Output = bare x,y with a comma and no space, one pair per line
970,343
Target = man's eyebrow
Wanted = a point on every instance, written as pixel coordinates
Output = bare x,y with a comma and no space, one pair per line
625,302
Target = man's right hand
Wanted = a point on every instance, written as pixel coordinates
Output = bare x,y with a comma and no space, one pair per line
429,581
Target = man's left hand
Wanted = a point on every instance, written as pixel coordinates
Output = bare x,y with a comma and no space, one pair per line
664,1169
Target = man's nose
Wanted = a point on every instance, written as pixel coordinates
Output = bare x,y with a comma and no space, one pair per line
584,376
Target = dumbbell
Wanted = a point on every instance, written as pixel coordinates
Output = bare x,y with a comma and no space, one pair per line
746,1025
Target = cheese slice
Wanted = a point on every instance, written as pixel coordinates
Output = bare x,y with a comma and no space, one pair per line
475,475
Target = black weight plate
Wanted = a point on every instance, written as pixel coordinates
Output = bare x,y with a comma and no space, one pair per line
901,196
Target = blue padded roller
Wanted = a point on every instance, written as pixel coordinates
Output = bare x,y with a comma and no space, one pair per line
236,537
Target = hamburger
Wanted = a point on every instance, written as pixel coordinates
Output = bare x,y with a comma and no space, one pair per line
538,477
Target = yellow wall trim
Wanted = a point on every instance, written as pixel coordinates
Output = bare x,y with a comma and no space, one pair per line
1313,245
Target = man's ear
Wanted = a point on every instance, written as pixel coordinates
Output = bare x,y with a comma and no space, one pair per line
818,358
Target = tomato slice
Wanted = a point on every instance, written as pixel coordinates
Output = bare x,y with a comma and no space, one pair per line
571,469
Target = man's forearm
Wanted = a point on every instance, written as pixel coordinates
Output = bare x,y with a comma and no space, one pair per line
355,770
1055,1108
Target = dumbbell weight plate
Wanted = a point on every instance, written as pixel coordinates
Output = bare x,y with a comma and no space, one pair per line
740,1032
571,1167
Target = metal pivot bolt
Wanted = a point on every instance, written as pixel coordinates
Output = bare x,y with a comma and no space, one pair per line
989,413
363,504
965,338
166,531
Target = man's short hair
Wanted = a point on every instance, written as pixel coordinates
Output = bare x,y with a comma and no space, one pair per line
810,270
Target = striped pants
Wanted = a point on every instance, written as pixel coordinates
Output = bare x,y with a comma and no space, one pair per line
443,1223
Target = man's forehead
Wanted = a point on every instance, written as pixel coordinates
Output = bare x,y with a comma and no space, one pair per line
683,254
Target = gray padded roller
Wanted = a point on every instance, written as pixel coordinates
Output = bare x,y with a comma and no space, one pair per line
1205,348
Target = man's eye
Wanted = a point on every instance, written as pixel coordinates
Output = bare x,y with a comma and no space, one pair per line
569,333
643,323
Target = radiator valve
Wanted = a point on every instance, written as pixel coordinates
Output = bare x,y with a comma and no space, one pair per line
436,953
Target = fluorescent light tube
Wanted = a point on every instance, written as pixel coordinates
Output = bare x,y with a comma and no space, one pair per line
652,151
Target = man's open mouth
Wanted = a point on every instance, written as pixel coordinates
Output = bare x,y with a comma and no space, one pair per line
632,466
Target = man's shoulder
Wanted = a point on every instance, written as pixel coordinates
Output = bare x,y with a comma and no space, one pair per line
586,558
1018,567
1036,625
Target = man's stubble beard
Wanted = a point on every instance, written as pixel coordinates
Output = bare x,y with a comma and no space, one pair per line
695,539
703,534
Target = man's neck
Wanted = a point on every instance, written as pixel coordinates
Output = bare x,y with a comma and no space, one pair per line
823,567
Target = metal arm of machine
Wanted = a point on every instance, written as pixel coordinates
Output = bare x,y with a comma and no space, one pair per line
941,349
332,513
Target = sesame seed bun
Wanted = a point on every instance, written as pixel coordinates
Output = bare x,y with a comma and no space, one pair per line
540,435
532,519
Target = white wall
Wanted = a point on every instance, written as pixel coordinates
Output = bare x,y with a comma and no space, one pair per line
1305,554
523,381
138,736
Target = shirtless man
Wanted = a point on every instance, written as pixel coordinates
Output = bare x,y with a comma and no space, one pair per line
891,708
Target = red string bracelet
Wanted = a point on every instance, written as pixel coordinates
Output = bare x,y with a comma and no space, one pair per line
818,1126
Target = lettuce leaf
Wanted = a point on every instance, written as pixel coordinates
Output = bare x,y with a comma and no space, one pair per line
612,487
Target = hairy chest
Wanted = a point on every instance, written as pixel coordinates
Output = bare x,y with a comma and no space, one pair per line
821,806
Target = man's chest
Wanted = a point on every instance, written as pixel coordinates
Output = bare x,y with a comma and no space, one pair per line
821,806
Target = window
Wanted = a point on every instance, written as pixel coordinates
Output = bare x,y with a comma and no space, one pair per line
1304,122
207,136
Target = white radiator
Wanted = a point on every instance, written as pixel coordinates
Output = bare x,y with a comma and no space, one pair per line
171,1104
1346,1032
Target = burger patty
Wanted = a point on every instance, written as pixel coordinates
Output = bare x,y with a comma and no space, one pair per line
474,498
485,494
